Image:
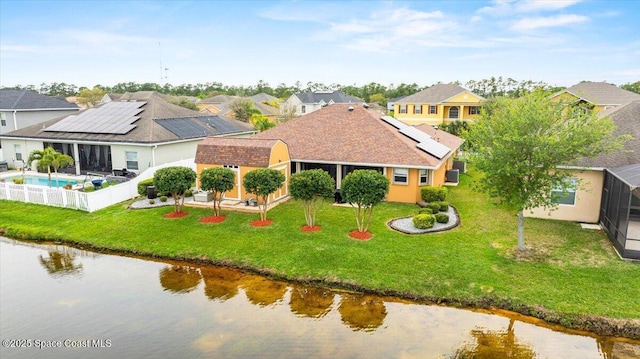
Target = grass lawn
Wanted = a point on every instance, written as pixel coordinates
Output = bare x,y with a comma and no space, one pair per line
570,272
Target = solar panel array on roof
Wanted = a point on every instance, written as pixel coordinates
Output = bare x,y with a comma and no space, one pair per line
186,127
219,124
425,142
110,118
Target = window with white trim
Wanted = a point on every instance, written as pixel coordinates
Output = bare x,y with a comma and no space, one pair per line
132,160
474,110
18,152
424,177
566,195
401,175
417,109
402,108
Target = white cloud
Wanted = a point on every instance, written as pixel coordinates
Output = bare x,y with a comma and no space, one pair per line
532,23
510,7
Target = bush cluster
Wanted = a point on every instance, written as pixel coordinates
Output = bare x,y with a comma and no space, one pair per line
142,186
442,217
188,193
163,198
434,207
424,221
433,194
425,211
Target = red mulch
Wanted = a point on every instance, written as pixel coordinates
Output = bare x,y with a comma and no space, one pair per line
176,214
311,229
363,236
213,219
261,223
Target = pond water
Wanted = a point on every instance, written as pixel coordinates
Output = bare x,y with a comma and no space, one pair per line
85,304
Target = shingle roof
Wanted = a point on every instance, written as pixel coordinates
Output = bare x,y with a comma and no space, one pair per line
327,96
263,97
601,93
235,151
146,129
335,134
434,94
31,100
627,120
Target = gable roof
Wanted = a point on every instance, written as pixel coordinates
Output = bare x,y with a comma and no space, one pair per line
31,100
263,97
144,129
627,121
250,152
335,134
326,97
600,93
435,94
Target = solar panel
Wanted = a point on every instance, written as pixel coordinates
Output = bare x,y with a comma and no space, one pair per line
434,148
186,127
425,142
393,122
110,118
415,134
219,124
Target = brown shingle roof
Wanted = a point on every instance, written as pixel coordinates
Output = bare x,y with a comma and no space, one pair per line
336,135
235,151
434,94
601,93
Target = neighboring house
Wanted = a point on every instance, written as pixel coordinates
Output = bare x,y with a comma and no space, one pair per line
242,155
441,103
391,103
307,102
605,188
137,131
24,108
221,105
342,138
596,96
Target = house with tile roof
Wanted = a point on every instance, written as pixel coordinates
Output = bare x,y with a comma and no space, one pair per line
307,102
242,155
137,131
344,137
440,103
596,96
24,108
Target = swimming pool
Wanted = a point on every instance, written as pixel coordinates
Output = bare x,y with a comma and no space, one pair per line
44,181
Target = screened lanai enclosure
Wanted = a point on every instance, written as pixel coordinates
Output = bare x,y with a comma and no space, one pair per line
91,158
620,209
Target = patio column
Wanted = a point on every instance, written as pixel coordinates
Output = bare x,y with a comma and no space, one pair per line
76,157
338,175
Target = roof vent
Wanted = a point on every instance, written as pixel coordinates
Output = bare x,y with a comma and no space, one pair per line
365,105
350,108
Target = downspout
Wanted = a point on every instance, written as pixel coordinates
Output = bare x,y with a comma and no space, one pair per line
153,156
15,120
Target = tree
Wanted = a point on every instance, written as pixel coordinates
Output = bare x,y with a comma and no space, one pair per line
363,189
262,183
243,109
287,112
90,97
633,87
217,180
184,102
311,186
261,122
175,180
522,144
48,159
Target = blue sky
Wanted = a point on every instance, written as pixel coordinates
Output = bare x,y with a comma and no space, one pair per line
346,42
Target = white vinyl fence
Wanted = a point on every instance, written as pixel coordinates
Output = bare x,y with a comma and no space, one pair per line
84,201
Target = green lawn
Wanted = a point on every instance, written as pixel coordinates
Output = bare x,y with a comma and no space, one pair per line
570,271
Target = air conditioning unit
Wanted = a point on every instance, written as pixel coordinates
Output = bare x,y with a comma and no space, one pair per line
460,165
452,176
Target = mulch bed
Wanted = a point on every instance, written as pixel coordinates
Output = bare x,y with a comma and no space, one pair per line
363,236
262,223
176,214
213,219
311,229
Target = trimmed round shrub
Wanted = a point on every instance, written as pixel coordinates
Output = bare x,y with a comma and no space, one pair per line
425,211
188,193
442,217
163,198
434,206
444,206
142,186
152,201
424,221
433,194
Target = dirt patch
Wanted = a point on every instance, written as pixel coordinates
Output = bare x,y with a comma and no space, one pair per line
176,214
311,229
363,236
262,223
213,219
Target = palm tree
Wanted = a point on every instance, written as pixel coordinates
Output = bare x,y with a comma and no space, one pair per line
50,158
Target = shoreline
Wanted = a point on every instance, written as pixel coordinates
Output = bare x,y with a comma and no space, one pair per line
590,325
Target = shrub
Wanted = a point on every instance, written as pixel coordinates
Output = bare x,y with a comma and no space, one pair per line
444,206
152,201
188,193
434,207
142,186
18,180
433,194
442,217
425,211
424,221
163,198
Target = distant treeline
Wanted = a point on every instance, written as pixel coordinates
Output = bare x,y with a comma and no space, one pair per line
372,92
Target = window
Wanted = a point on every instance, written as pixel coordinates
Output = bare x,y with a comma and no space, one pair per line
402,108
474,110
433,109
566,196
233,167
18,151
3,119
453,112
304,109
424,177
132,160
417,109
400,175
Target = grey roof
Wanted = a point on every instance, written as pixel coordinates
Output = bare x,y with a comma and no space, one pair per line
218,99
627,121
146,129
601,93
435,94
327,96
629,174
263,97
31,100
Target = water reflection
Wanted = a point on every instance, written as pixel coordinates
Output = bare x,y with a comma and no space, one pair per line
362,312
491,344
179,279
220,283
310,302
60,262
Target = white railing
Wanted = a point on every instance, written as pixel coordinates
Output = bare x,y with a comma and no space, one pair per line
84,201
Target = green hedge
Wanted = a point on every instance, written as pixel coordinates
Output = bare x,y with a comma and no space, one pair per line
433,194
434,207
444,206
424,221
142,186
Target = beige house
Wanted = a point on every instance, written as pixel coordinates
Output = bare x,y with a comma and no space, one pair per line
441,103
596,96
